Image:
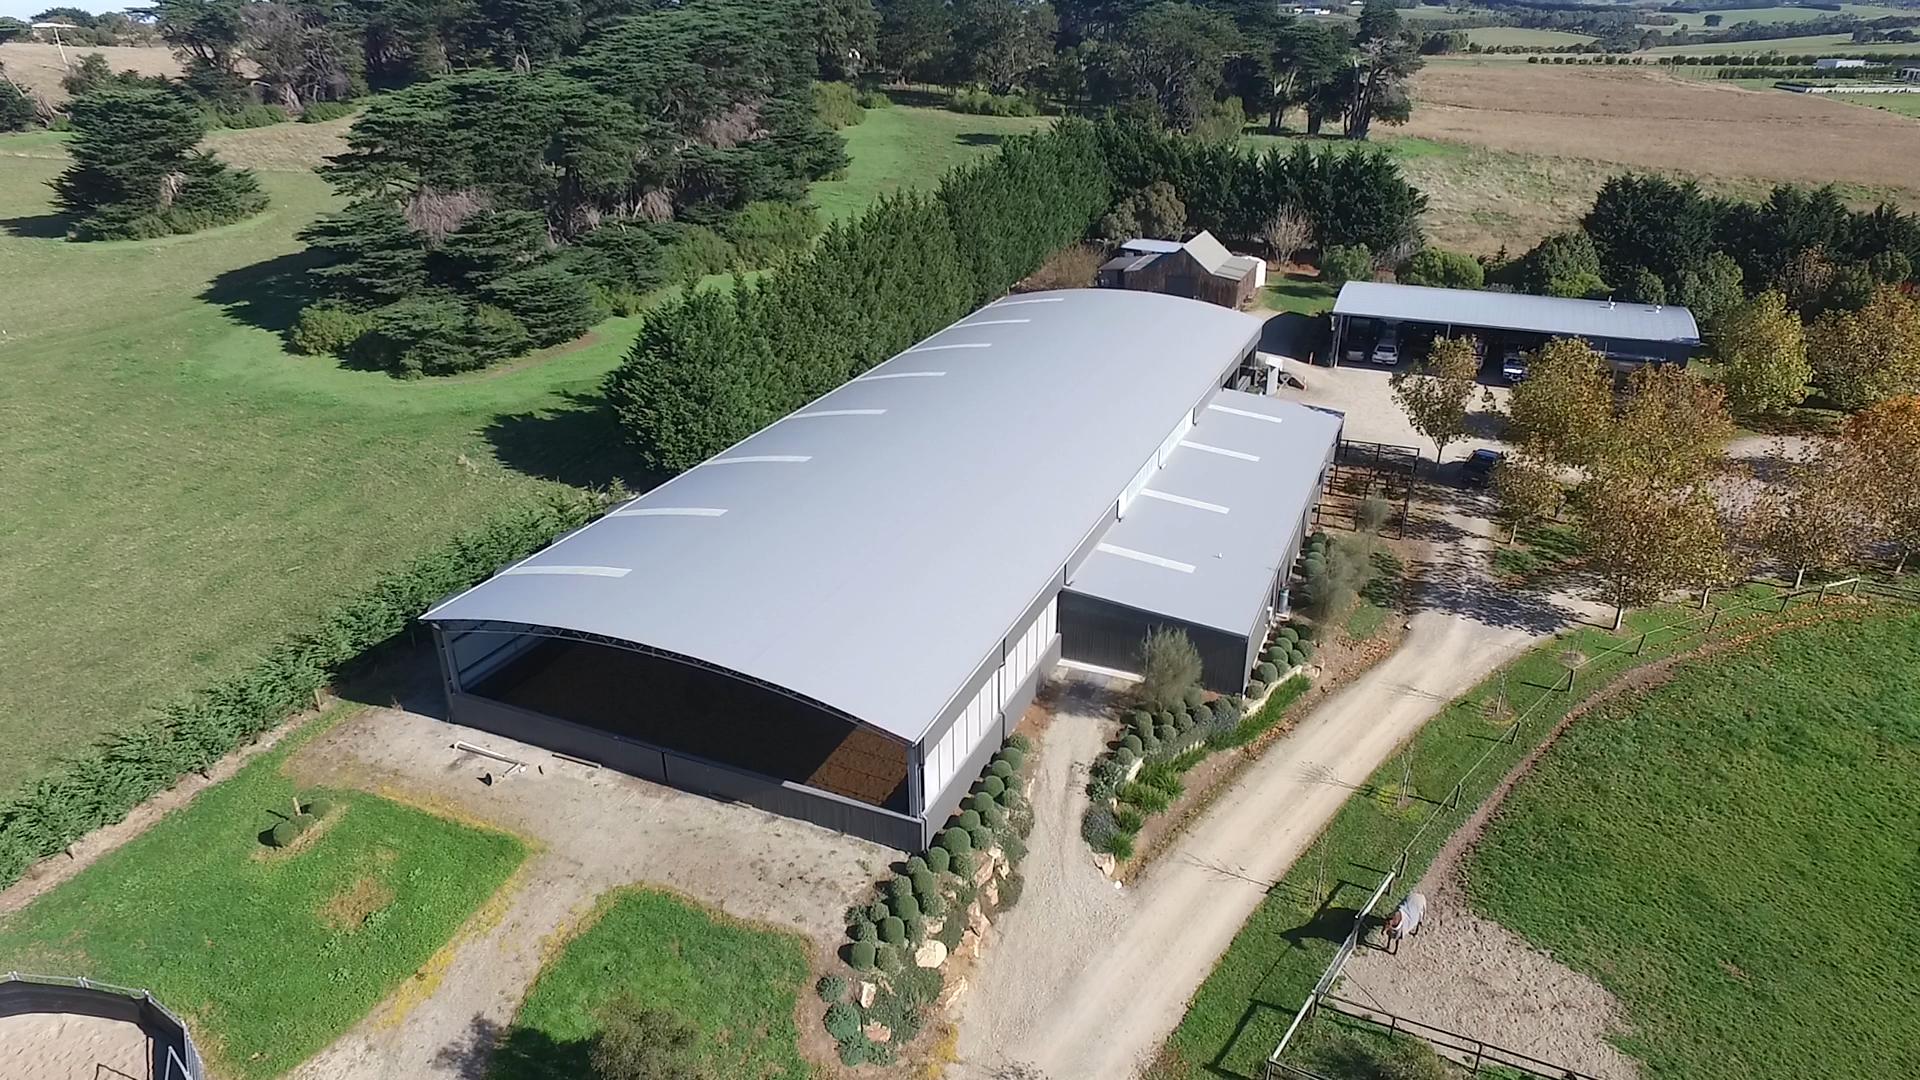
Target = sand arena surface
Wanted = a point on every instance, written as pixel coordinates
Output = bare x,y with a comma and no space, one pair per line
67,1046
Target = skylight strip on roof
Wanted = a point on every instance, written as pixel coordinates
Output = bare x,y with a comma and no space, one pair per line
955,345
754,459
1221,450
818,413
669,511
1182,500
581,571
1247,413
1141,556
989,322
900,375
1030,300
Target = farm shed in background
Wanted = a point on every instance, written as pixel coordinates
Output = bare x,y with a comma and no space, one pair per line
1200,269
843,616
1626,333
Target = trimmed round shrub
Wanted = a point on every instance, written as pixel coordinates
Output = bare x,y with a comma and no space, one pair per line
864,931
1203,714
915,864
831,988
1288,633
1149,741
317,807
1276,654
963,863
856,1050
1167,733
284,833
900,886
1194,696
1305,651
842,1020
956,841
1256,688
969,820
1019,742
1138,717
982,839
893,930
937,859
861,955
327,328
1013,756
1125,757
993,786
1163,719
979,801
994,817
916,928
1131,742
924,883
933,905
1183,723
889,958
906,907
877,911
1266,672
1000,769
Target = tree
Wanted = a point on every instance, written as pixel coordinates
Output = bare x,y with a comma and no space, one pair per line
1712,20
1285,233
1711,287
1306,57
206,35
1861,357
1527,489
844,37
1652,224
1811,519
16,112
639,1043
1762,349
1883,444
1154,211
1342,263
1564,407
1564,264
1377,82
1002,42
1671,426
1442,269
1646,539
135,174
300,56
1435,393
1176,53
1169,667
914,37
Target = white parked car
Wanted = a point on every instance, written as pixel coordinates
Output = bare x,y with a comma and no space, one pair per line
1387,352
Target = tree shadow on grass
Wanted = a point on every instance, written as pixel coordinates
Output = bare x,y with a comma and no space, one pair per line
521,1054
37,226
267,295
980,138
578,442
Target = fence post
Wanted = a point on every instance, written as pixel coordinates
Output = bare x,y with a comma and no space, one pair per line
1855,589
1641,644
1713,620
1822,598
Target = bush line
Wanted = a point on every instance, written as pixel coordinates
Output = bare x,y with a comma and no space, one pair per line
100,787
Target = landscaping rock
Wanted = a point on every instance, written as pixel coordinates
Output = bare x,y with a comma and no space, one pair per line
877,1032
983,869
930,954
1105,863
868,992
990,894
970,945
934,926
952,993
977,922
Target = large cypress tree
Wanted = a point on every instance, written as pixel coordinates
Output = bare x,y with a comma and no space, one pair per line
135,173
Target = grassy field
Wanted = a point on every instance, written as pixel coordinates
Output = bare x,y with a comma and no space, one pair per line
1900,104
1520,35
1299,294
1733,856
195,489
1823,44
1730,17
1540,551
269,954
1239,1013
734,985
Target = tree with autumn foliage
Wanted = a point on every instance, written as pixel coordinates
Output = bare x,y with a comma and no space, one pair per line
1647,538
1670,426
1811,520
1436,392
1762,349
1565,406
1861,357
1527,489
1883,443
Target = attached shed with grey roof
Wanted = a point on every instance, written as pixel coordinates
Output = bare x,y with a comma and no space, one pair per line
841,617
1624,331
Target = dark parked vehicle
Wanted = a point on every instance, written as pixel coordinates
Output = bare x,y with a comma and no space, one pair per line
1513,364
1477,470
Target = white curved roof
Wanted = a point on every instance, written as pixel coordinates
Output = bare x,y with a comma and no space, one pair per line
868,550
1665,323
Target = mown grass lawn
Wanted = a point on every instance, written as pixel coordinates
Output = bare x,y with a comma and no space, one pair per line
181,489
1733,855
735,985
268,954
1541,550
1239,1013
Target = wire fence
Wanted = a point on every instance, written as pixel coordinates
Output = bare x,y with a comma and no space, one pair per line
1702,624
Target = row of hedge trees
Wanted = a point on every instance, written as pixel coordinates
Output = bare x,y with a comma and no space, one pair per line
710,368
100,786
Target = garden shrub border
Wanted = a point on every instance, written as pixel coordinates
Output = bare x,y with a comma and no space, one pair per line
935,886
99,787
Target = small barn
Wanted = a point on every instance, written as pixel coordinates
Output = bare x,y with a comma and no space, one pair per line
1199,269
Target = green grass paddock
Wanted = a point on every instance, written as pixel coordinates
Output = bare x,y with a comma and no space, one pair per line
1237,1016
268,955
735,985
1732,854
184,489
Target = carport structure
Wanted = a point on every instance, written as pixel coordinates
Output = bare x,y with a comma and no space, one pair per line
1626,333
843,616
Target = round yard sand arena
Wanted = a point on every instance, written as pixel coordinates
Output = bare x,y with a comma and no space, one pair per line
69,1046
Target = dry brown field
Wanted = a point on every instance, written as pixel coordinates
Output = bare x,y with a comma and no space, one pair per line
38,66
1647,120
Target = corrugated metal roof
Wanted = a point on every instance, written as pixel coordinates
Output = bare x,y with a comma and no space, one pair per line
1518,311
1210,253
870,549
1217,520
1141,245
